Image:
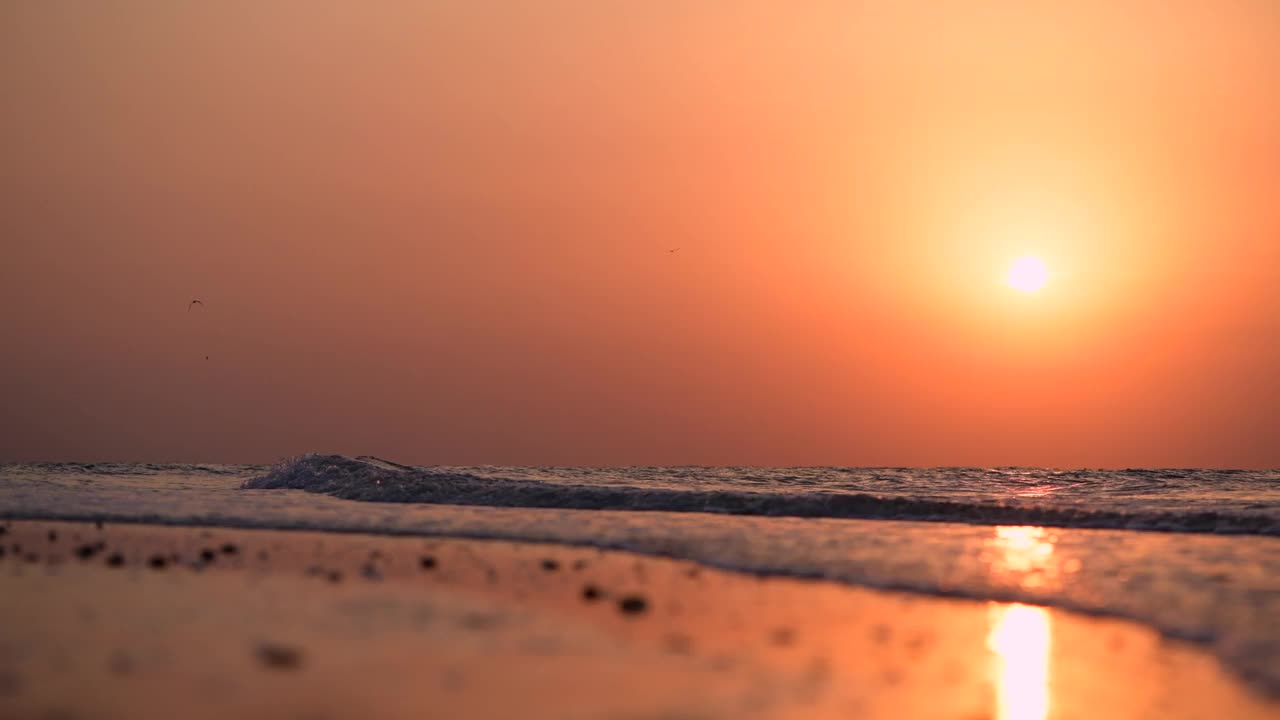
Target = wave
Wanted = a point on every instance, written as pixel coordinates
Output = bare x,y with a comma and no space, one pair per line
372,479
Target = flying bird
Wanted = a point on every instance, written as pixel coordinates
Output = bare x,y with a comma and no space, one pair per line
193,303
674,250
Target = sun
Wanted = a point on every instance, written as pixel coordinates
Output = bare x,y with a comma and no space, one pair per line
1027,274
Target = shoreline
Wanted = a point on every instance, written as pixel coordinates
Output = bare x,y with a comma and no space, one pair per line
1211,590
337,624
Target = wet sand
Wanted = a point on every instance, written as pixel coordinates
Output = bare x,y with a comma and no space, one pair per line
125,621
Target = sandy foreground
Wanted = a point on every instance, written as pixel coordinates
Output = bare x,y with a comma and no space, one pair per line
137,621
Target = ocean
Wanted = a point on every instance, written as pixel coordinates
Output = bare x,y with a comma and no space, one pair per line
1194,554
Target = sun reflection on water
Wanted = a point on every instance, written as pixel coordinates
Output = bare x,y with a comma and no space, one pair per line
1025,555
1020,640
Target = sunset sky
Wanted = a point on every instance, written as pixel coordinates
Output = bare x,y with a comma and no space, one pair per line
440,231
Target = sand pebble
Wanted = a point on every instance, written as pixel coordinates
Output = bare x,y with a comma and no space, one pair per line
120,663
115,560
10,684
480,620
428,562
591,593
280,657
679,644
633,605
550,565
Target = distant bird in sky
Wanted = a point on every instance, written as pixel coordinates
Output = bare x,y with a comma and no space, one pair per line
674,250
194,303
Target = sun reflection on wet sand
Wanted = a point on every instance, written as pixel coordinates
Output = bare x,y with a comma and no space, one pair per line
1020,640
1020,635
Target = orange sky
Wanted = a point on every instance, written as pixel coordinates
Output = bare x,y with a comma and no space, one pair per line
438,231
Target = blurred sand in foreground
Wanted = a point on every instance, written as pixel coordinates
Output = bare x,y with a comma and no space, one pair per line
138,621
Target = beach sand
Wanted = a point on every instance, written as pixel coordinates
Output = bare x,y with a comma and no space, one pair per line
138,621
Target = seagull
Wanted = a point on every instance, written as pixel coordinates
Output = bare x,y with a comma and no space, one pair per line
193,303
674,250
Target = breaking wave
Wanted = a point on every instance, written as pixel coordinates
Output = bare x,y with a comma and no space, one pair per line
373,479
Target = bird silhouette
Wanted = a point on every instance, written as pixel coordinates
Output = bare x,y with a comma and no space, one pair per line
193,303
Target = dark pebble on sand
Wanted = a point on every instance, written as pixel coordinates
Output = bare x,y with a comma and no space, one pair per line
120,663
158,562
280,657
230,549
207,555
591,593
783,637
84,552
428,562
633,605
335,576
480,621
370,572
53,536
115,560
550,565
678,644
10,684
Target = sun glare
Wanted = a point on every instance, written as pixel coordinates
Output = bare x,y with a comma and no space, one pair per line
1027,274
